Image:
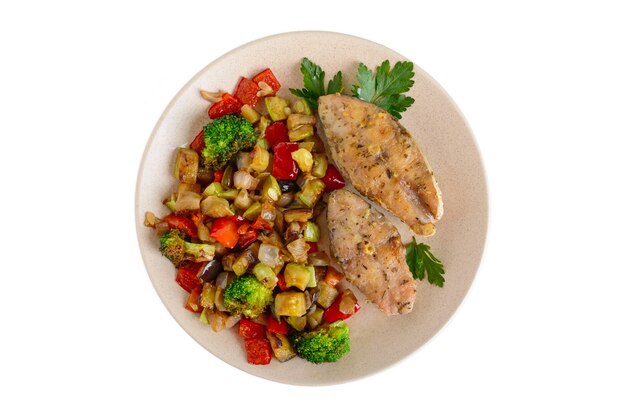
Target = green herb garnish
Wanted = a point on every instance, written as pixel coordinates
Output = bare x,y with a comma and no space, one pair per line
314,85
422,262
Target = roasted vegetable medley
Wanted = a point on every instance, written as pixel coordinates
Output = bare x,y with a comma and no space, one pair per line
242,231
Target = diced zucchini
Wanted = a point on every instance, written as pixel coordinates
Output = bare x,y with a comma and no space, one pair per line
271,189
215,207
265,275
304,159
301,133
253,211
297,322
262,142
314,317
302,107
306,145
213,189
281,346
188,201
260,158
311,232
250,113
320,164
170,202
229,195
290,303
298,249
207,297
243,262
186,165
296,120
327,294
276,107
298,275
311,192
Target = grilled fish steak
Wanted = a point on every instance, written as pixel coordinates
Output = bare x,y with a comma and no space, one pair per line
369,249
381,159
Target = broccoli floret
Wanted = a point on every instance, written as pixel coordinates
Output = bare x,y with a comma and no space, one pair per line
248,296
325,344
176,249
223,138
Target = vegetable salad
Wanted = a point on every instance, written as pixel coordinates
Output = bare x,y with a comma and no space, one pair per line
241,230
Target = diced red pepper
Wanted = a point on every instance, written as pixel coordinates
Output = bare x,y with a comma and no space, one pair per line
277,327
282,284
312,247
276,132
187,278
198,143
261,224
251,330
258,351
284,166
333,313
246,91
269,78
218,175
197,217
333,179
193,301
247,235
180,222
227,105
239,220
224,230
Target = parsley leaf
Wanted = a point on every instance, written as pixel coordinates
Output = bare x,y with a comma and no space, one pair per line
385,88
422,262
314,86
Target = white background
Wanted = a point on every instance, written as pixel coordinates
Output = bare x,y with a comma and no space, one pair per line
542,330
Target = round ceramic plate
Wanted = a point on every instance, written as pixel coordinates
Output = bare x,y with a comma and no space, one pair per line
435,122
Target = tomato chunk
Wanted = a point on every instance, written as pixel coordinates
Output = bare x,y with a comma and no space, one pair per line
312,247
218,175
180,222
198,143
227,105
187,278
246,91
276,133
269,78
224,230
251,330
284,166
277,327
333,179
258,351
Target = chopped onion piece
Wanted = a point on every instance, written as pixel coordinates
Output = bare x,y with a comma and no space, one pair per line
243,180
269,255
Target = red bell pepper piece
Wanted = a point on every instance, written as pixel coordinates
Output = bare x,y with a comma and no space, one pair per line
276,133
277,327
333,313
284,166
239,220
224,230
187,277
258,351
282,284
198,143
269,78
193,301
312,247
333,179
227,105
247,235
251,330
246,91
218,175
261,224
180,222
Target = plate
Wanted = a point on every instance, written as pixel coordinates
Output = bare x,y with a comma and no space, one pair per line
434,120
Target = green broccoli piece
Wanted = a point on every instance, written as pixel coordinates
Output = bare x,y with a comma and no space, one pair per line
176,249
323,345
223,138
248,296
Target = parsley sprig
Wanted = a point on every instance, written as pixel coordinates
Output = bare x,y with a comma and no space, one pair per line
314,84
385,88
422,262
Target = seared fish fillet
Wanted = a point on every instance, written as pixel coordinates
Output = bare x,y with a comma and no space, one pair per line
382,160
369,249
